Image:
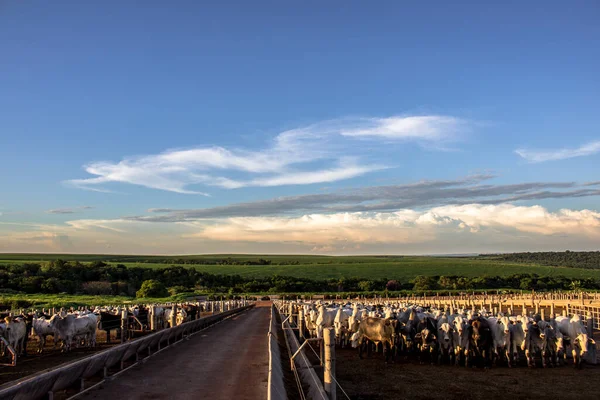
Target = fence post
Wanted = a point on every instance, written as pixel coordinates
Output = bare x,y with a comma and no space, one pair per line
552,310
173,315
153,320
301,323
123,324
329,371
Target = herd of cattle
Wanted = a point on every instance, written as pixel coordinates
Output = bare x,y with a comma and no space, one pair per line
79,327
463,337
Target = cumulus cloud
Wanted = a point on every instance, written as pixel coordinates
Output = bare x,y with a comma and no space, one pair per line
473,223
452,228
537,156
318,153
383,198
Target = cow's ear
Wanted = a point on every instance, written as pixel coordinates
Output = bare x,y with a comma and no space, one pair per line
418,336
433,337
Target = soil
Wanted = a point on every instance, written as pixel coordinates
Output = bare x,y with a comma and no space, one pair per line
371,379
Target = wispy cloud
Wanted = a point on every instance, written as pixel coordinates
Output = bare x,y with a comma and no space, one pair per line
537,156
383,199
319,153
69,210
423,128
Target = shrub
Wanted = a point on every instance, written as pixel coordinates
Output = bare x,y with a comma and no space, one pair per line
152,288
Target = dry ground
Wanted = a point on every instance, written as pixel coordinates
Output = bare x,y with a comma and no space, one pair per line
371,379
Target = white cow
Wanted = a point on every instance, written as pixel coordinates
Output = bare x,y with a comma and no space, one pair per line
501,334
325,319
72,327
574,329
341,323
445,341
460,337
15,331
42,329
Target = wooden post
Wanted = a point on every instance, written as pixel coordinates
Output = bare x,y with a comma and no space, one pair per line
329,370
153,319
552,315
301,324
542,314
173,321
510,310
591,354
524,312
123,324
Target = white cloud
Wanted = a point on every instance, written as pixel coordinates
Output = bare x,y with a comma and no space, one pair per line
427,128
70,210
406,226
446,229
537,156
319,153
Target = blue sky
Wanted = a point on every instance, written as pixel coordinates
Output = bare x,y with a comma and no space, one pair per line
108,111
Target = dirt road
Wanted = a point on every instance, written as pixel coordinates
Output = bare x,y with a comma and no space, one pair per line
226,361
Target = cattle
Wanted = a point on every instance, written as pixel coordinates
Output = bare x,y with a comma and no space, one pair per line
377,330
501,333
517,336
460,338
15,332
42,329
71,327
481,341
408,330
180,317
341,324
426,339
575,331
445,342
550,344
325,319
533,342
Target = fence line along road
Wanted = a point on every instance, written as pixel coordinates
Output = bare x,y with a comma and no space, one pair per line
67,375
276,388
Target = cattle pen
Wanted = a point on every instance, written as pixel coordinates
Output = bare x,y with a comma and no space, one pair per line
407,377
124,327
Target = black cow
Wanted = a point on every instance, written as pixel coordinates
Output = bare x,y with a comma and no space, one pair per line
481,342
426,339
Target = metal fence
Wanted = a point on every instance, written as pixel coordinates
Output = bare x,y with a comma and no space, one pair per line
276,388
585,312
70,374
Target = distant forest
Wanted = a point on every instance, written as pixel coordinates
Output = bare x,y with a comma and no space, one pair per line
99,278
572,259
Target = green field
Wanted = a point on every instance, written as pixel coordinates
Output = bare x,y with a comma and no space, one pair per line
324,267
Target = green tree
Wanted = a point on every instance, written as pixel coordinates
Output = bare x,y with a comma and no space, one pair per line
152,288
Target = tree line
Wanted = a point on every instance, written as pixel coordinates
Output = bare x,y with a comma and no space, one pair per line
99,278
573,259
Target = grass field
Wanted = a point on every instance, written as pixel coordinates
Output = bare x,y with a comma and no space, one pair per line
323,267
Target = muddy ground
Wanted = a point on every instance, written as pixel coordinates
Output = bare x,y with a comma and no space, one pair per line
371,379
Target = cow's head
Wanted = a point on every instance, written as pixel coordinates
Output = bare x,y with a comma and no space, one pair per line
581,341
445,332
505,323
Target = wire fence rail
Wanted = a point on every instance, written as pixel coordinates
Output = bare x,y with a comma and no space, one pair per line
68,375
